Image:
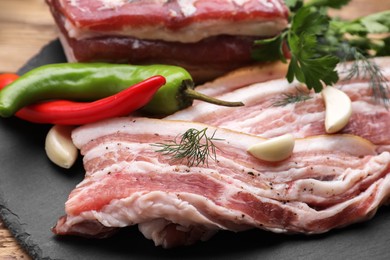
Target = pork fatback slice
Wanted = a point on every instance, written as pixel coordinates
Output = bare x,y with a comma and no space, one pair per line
257,73
328,182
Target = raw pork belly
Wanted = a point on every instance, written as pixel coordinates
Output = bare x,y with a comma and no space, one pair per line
208,37
370,118
329,182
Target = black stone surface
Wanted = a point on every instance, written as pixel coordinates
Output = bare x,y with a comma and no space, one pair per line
33,192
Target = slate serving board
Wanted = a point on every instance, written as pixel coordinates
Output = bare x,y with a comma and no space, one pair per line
33,192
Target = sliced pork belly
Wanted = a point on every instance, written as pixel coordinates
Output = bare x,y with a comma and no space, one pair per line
328,182
208,37
370,119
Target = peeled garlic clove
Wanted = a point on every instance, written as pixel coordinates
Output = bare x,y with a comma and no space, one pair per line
338,109
59,146
274,149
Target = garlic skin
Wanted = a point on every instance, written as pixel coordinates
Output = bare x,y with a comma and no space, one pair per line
274,149
59,146
338,109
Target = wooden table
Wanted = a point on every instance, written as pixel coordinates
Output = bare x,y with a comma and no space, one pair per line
26,25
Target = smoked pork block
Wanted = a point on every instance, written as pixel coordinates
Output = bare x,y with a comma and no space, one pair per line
207,37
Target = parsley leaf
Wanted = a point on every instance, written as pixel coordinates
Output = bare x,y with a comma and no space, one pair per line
306,68
375,23
269,49
306,65
293,5
328,3
310,21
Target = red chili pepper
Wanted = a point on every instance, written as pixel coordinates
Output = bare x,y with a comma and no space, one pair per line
7,78
65,112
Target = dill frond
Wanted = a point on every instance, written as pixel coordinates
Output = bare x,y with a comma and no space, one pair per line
365,68
194,146
300,95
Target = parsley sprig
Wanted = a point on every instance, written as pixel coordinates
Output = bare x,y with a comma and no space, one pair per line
307,65
317,43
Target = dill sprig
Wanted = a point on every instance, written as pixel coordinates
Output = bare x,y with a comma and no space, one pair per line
365,68
194,146
300,95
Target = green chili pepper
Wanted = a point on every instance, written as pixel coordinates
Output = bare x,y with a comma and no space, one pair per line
92,81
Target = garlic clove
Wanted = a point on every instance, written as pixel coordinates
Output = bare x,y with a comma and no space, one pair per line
59,146
338,109
274,149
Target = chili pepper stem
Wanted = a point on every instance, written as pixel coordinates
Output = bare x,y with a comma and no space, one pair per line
192,94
